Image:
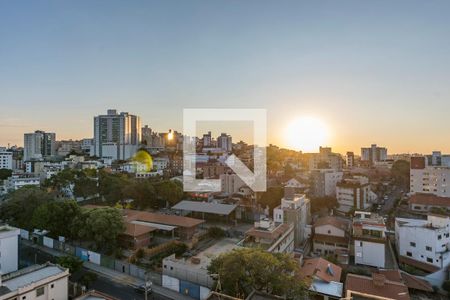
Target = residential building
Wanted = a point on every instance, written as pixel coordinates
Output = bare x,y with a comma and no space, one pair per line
39,145
331,236
429,179
295,209
16,181
6,160
160,163
116,136
377,287
207,140
421,202
324,278
64,148
213,170
424,244
38,282
87,146
270,236
353,193
9,249
231,183
373,154
224,142
350,160
325,159
369,239
324,181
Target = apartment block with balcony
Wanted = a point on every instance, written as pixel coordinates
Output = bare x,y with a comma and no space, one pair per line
429,179
353,193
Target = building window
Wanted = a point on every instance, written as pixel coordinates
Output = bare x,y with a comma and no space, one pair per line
52,285
408,254
428,248
439,237
40,291
412,244
430,260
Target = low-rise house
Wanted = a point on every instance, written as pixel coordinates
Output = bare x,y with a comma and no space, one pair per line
369,238
376,287
331,236
17,181
270,236
422,202
168,226
424,244
323,277
136,236
38,282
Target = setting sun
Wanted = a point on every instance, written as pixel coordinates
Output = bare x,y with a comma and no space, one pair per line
306,134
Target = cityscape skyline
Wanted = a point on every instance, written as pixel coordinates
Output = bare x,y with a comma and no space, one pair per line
156,58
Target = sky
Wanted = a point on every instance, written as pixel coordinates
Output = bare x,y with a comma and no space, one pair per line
372,71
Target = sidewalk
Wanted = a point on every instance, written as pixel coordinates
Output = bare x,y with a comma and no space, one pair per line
133,281
116,276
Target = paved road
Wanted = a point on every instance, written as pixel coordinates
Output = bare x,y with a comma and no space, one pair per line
389,203
121,291
117,284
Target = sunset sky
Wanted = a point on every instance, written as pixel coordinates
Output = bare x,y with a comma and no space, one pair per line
371,71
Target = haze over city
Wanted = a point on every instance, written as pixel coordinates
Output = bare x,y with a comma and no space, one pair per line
370,72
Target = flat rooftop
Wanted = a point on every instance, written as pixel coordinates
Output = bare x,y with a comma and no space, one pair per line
205,256
205,207
21,278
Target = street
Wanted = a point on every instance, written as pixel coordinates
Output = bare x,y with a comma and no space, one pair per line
30,255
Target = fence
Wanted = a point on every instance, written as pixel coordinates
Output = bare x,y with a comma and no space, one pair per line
93,257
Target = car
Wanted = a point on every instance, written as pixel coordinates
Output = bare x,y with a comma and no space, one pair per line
141,289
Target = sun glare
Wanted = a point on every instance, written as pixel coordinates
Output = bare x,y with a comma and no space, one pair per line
306,134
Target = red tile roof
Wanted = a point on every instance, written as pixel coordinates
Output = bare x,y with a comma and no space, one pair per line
429,199
337,222
322,269
384,288
135,230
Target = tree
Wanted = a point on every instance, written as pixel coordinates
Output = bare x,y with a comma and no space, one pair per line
216,232
20,205
325,202
111,186
400,173
56,217
100,225
142,192
169,191
5,174
70,262
446,286
271,197
242,270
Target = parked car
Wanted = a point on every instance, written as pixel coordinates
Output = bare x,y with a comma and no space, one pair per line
141,289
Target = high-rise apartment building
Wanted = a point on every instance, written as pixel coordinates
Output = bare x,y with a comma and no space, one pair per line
116,136
39,145
373,154
224,142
